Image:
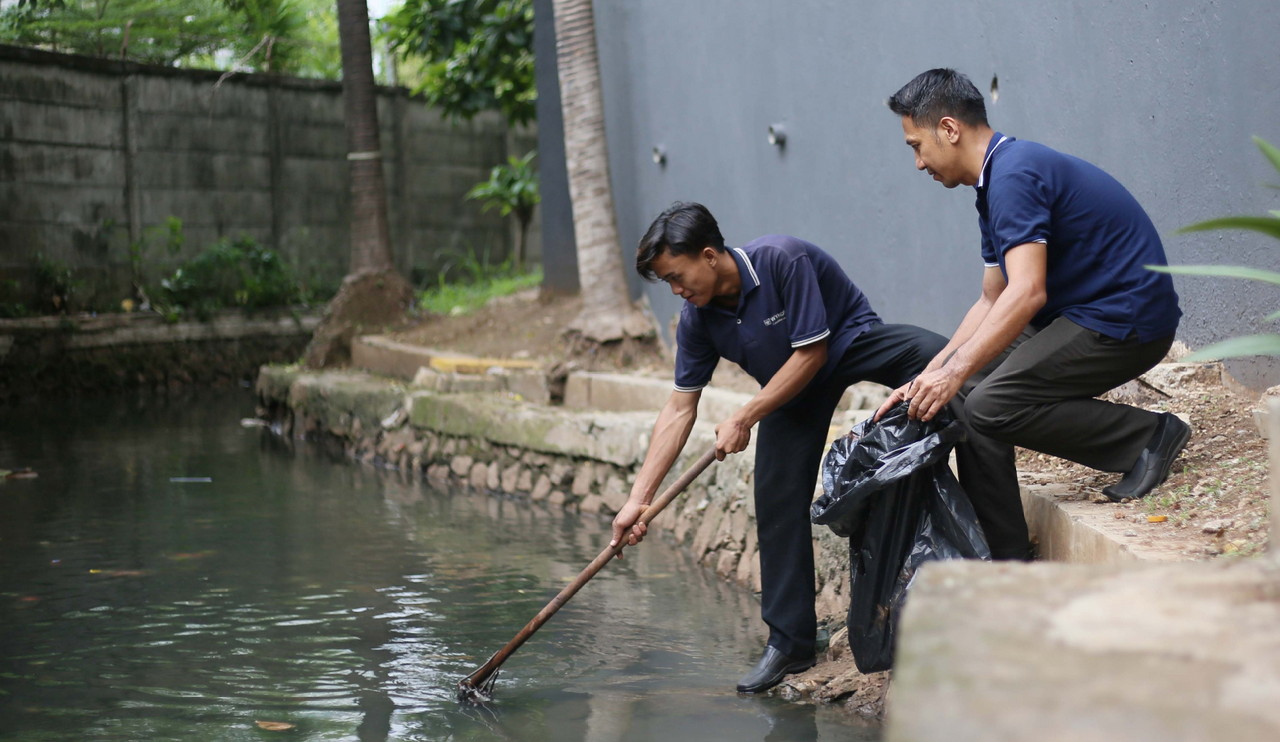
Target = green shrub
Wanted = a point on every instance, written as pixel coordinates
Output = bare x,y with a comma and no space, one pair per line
230,273
513,190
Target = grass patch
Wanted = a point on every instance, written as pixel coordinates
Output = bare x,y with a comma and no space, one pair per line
462,298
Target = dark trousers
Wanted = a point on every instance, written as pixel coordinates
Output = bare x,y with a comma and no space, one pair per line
1039,394
790,444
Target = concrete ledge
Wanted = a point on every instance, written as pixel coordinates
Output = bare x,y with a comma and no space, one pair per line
341,400
81,354
1067,529
1108,653
613,437
109,331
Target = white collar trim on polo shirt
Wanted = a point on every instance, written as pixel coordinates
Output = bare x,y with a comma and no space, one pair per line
750,268
983,172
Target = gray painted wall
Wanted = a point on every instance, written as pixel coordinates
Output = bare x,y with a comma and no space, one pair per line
96,154
1164,96
559,254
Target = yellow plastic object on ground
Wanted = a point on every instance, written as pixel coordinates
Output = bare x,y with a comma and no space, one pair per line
464,365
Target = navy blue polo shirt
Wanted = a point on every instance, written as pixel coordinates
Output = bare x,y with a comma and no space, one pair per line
1097,236
793,294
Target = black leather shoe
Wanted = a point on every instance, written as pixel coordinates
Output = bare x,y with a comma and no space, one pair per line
1154,462
771,669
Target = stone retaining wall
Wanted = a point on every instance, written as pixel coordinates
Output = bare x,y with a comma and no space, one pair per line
579,460
82,355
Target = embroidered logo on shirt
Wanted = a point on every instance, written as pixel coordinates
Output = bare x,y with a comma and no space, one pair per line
775,319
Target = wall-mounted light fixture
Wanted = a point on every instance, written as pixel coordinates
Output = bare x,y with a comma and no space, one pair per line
659,156
777,136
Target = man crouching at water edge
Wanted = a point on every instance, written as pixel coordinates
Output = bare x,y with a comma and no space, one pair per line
1067,311
786,312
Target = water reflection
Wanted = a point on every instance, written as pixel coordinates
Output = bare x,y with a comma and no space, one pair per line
141,602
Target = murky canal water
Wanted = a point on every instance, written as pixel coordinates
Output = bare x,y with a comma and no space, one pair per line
173,575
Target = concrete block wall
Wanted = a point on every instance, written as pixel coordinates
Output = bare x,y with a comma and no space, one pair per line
96,156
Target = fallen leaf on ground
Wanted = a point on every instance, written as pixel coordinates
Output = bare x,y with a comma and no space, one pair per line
183,556
274,726
1157,518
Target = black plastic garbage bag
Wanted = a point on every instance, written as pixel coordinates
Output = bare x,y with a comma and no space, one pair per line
888,488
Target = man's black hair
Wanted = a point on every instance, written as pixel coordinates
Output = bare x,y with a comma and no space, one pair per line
937,93
683,229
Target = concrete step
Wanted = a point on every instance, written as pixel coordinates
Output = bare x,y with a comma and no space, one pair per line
1000,652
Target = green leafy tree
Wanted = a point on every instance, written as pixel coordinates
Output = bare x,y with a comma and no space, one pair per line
153,31
1250,345
270,26
513,190
477,54
292,37
296,37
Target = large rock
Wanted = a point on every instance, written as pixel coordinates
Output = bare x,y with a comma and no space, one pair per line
1173,377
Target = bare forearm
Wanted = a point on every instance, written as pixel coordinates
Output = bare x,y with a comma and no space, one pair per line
968,326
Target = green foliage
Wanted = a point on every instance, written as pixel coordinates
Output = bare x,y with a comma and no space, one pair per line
511,188
291,37
1250,345
297,37
170,234
477,54
317,52
266,25
229,273
152,31
467,296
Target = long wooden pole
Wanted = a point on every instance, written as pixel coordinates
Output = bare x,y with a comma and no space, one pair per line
470,688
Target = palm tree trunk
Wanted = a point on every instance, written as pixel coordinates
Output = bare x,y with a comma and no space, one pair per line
370,236
608,314
373,295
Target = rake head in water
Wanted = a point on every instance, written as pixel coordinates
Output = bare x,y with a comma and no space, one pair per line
476,694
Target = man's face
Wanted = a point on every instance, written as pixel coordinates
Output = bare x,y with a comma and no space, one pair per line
691,277
934,152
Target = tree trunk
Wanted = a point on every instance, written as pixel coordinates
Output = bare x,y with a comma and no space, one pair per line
374,294
370,240
607,312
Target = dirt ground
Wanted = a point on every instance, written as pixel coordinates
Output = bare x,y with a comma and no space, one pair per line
1213,505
